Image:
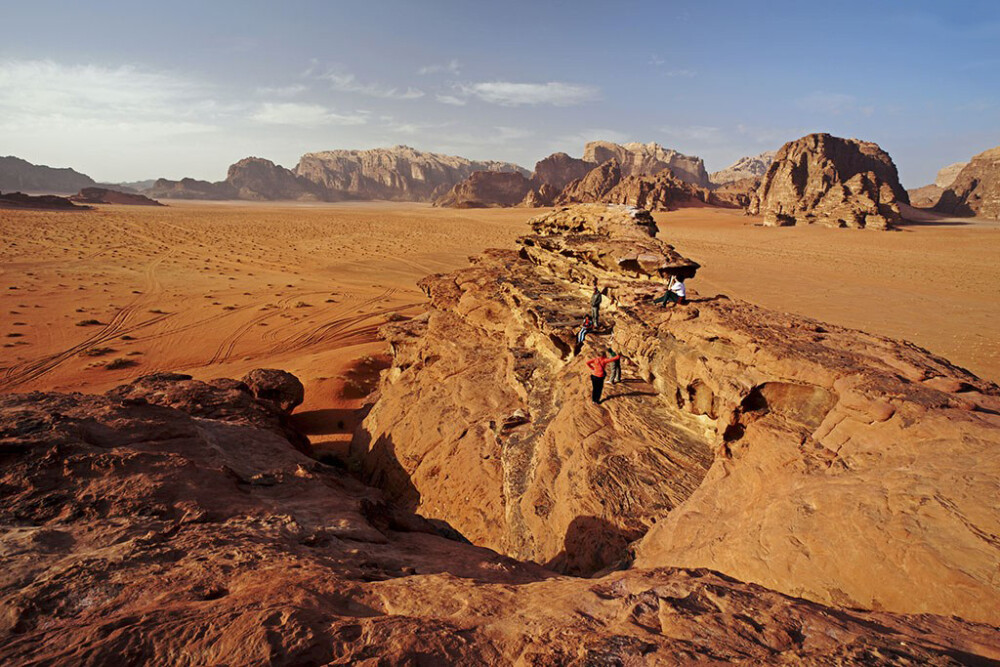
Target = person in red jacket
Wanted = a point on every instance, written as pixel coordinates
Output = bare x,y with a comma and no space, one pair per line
596,366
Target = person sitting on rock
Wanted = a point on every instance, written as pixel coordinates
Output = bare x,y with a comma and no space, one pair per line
596,366
584,330
675,292
595,306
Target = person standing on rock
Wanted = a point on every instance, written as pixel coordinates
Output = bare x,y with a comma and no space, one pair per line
614,368
597,365
595,306
675,292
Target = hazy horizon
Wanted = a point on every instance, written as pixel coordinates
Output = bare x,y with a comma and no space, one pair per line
126,93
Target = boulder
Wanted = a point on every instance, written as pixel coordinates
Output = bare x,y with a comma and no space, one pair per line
976,189
832,181
279,387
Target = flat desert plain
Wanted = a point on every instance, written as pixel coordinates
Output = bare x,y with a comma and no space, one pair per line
91,299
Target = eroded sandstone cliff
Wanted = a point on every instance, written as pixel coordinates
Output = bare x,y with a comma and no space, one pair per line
976,189
173,521
837,182
746,167
823,462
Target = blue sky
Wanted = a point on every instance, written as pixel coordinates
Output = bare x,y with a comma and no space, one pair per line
134,90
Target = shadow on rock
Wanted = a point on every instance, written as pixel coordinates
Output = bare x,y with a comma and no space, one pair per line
592,545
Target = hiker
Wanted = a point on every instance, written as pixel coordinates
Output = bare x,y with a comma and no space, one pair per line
675,292
596,366
595,306
614,368
584,330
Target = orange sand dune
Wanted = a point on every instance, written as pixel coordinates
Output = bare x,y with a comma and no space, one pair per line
215,289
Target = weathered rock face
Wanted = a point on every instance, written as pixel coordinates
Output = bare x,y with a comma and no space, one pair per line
597,183
172,521
823,462
399,173
559,170
833,181
947,175
648,159
660,192
255,178
190,188
22,176
106,196
926,196
485,189
281,389
976,189
744,168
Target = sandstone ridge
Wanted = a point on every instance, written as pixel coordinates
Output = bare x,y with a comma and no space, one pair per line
178,521
837,182
823,462
976,189
746,167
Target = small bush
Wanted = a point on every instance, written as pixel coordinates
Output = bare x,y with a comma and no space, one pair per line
88,323
96,351
120,362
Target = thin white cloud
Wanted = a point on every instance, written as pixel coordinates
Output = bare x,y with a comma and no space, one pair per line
346,82
451,99
686,73
573,143
508,93
695,133
282,91
834,104
451,67
304,115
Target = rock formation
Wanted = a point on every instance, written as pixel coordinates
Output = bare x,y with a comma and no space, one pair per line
259,179
647,159
173,521
596,184
976,189
484,189
106,196
928,196
190,188
20,175
833,181
744,168
559,170
660,192
947,175
400,173
38,202
823,462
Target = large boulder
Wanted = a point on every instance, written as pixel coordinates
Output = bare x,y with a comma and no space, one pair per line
832,181
281,388
976,189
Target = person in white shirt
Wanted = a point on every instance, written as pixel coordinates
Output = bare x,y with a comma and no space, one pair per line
676,292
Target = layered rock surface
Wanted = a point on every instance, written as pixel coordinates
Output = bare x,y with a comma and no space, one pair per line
660,192
823,462
976,189
173,521
484,189
255,178
647,159
837,182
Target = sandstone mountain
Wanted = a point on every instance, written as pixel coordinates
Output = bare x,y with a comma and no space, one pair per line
647,159
928,196
947,175
22,176
190,188
106,196
833,181
484,189
400,173
559,170
976,189
744,168
826,463
259,179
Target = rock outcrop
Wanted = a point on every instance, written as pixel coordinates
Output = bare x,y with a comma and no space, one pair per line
837,182
106,196
190,188
947,175
255,178
822,462
648,159
928,196
594,186
399,173
660,192
38,202
20,175
172,521
976,189
485,189
559,170
744,168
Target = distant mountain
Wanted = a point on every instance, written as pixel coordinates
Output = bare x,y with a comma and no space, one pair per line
648,159
745,167
22,176
975,191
